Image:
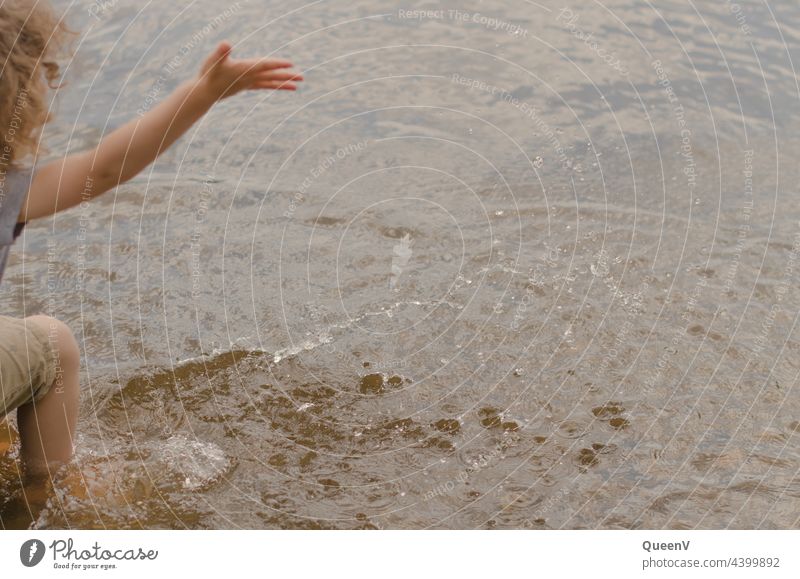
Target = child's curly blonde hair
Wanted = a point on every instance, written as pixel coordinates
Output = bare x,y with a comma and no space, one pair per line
31,36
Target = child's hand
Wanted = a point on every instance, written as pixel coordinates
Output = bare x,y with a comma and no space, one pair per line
132,147
222,76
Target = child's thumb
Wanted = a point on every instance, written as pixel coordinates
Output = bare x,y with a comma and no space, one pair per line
219,55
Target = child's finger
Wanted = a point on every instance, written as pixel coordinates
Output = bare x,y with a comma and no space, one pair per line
221,53
275,84
224,49
273,63
279,76
262,64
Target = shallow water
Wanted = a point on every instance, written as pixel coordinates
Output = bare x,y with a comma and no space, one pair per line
471,275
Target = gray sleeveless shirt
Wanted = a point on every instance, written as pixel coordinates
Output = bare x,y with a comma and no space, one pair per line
14,186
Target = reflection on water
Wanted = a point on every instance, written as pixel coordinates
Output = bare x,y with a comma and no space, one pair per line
483,271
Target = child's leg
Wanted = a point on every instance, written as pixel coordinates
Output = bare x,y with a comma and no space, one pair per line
47,426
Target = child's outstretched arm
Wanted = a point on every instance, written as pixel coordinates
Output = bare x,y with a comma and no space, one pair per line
132,147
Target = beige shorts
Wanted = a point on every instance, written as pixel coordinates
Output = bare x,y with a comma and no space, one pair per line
27,363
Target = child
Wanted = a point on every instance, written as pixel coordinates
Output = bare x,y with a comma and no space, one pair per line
39,357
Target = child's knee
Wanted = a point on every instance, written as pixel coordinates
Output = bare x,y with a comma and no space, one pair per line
62,340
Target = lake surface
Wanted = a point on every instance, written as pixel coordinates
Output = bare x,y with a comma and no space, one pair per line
499,265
